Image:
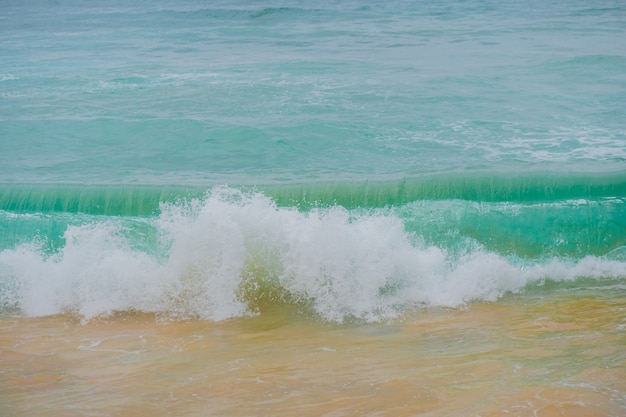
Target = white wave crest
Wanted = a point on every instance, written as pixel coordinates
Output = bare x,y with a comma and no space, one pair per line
213,250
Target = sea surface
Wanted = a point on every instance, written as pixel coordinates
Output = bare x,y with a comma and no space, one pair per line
330,208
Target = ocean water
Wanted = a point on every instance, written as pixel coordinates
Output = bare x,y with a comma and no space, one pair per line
353,199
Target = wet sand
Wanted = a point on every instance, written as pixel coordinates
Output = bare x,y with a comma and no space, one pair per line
561,355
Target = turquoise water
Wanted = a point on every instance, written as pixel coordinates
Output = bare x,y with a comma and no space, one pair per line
359,157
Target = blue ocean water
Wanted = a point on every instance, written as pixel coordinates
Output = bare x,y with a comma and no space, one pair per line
362,158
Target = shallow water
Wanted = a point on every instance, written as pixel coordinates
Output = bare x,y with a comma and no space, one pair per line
551,354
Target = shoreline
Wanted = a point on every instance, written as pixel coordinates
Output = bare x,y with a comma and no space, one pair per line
539,356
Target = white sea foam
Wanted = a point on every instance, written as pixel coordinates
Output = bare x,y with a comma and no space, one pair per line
340,263
8,77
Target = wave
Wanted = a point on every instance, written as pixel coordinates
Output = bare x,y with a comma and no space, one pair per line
533,216
234,253
488,187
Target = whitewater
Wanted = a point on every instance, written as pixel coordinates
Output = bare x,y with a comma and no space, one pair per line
209,257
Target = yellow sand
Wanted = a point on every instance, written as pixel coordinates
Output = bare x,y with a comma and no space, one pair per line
562,356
